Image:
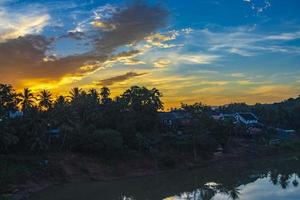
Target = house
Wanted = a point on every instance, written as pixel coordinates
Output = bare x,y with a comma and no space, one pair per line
283,134
15,114
54,133
248,119
175,119
167,118
225,117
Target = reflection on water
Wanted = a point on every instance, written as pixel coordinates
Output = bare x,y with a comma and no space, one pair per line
265,180
262,188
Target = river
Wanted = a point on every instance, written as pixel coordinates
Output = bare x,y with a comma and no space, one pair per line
268,179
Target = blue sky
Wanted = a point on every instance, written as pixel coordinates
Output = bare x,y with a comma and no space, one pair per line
213,51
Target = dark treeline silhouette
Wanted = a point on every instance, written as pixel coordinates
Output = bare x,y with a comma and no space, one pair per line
94,123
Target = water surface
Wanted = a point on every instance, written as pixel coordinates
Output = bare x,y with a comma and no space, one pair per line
257,180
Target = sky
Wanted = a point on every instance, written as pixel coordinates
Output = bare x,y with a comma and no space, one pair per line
210,51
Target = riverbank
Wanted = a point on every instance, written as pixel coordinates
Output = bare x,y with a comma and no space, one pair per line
27,174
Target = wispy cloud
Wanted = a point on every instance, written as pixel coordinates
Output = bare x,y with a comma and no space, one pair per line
251,82
238,75
14,24
284,36
119,78
159,40
258,6
126,58
197,58
274,91
245,41
162,63
163,59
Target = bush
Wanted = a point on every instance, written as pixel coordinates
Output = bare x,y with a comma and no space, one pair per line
104,143
7,140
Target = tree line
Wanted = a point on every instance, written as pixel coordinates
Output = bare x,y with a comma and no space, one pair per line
92,122
285,114
128,125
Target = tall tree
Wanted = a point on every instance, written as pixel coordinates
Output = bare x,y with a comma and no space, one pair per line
200,122
104,95
140,99
45,100
142,105
75,93
8,100
27,99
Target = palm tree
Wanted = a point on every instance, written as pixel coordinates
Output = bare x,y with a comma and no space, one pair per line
8,100
207,193
75,93
284,181
27,99
295,181
274,177
234,193
45,99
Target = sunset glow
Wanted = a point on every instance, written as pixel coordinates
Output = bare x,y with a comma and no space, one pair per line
215,52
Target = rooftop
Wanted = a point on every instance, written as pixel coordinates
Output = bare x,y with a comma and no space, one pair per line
248,116
176,114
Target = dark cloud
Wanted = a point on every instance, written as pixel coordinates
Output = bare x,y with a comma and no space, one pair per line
120,78
26,49
128,53
26,57
21,57
131,25
126,56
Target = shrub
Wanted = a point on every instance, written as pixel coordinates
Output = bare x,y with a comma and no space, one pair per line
7,140
104,143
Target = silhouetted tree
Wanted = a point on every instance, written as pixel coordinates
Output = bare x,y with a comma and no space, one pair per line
27,99
45,100
8,100
104,95
200,123
75,93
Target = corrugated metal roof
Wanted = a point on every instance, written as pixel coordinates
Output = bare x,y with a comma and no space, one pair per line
248,116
